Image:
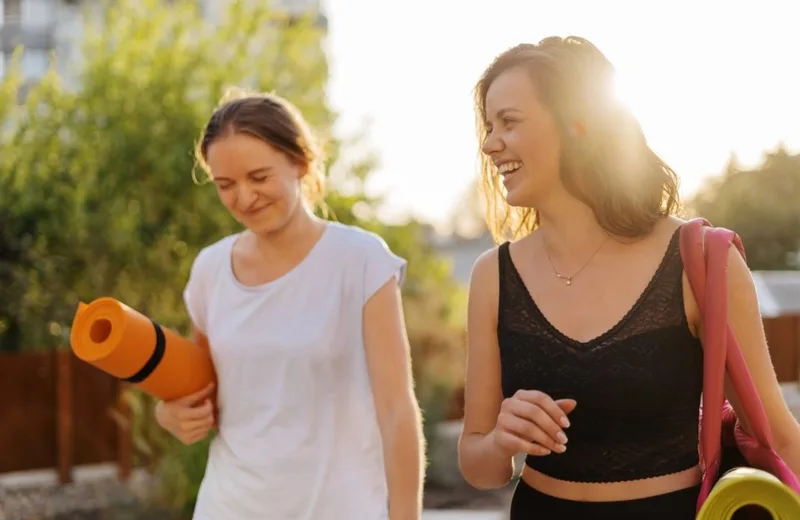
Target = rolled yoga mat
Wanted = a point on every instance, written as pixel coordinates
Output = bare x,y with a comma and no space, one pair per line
750,487
131,347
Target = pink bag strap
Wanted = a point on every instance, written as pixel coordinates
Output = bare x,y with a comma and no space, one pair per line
707,270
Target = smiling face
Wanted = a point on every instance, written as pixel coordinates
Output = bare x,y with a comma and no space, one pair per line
550,127
263,158
259,184
522,138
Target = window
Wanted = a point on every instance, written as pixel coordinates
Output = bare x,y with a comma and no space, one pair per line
34,63
12,10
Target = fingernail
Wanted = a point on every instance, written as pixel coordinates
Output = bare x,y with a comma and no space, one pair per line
545,452
565,422
561,448
562,438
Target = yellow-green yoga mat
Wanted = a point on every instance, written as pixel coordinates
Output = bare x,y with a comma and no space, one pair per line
748,486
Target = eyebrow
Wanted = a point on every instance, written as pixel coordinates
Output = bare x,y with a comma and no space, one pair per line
504,111
251,172
501,113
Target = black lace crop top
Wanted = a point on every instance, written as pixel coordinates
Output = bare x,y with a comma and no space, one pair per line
637,386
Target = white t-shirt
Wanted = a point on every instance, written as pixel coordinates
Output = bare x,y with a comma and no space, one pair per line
298,436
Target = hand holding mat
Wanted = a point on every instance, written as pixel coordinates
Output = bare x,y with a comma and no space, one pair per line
743,487
133,348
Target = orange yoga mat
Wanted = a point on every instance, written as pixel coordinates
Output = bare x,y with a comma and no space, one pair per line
133,348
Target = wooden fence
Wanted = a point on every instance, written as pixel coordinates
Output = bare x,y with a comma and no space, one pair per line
783,337
57,412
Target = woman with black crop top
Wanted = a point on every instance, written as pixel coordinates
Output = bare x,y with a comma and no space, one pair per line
584,350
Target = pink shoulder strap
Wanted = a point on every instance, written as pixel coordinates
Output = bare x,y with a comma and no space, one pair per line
705,252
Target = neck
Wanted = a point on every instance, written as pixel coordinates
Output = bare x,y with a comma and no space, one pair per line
570,228
300,229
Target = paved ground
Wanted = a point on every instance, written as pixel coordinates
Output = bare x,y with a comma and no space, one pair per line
455,514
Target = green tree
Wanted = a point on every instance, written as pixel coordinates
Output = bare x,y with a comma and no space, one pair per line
97,198
97,183
762,205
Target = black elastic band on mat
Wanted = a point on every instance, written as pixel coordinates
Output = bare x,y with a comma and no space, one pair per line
155,359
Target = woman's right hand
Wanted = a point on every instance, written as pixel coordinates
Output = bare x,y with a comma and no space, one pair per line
189,418
532,422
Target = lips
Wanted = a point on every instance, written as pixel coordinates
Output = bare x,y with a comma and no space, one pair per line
507,171
508,180
255,211
509,167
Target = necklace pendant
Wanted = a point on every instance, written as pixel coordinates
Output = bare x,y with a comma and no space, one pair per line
569,281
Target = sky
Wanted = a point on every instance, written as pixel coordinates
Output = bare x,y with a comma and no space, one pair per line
704,79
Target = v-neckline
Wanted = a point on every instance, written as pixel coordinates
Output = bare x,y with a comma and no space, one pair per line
616,326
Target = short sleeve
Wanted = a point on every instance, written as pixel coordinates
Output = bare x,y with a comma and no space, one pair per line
380,265
194,293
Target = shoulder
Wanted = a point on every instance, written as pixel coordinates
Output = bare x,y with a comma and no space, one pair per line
741,289
364,255
485,277
204,268
356,241
486,265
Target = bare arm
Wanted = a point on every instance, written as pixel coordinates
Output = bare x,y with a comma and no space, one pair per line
389,364
746,323
481,463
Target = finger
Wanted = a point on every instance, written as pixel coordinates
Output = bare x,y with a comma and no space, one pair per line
518,444
198,396
195,424
193,437
540,418
204,410
566,405
533,433
546,403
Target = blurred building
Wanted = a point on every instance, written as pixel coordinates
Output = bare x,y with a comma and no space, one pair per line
462,252
41,27
54,27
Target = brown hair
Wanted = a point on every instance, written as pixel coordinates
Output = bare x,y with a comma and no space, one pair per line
608,164
274,120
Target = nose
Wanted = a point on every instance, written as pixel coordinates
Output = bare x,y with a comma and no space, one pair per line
492,144
247,196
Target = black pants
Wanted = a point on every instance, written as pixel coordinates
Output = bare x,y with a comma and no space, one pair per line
530,504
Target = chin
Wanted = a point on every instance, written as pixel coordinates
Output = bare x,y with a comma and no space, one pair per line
516,199
525,196
266,227
266,224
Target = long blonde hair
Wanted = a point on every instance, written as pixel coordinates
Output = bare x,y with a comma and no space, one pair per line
609,166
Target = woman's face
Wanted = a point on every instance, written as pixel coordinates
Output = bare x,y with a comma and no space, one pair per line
523,139
259,184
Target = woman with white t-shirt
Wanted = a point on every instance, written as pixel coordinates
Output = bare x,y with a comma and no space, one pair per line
317,417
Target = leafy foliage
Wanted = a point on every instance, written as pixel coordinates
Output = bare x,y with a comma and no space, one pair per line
762,205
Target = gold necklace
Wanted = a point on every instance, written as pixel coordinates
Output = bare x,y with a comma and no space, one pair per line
568,279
